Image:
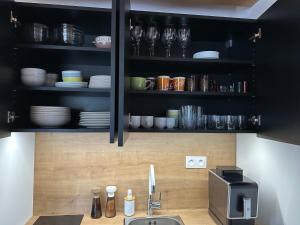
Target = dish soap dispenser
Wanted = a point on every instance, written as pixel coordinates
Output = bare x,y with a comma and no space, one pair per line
129,204
110,209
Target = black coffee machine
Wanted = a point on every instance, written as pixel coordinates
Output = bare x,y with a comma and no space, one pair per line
233,198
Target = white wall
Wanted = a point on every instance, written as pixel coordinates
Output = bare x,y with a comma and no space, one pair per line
16,178
276,167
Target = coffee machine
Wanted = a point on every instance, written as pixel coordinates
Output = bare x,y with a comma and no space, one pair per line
233,198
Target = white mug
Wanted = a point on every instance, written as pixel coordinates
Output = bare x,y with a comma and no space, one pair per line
135,121
160,122
147,121
171,122
175,114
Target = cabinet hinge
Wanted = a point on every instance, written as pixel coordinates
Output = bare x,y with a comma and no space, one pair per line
256,120
11,117
14,20
256,36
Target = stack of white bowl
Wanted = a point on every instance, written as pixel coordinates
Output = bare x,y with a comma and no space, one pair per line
50,116
95,119
71,79
33,77
100,81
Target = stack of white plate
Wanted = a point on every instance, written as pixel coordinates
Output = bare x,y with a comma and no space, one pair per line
100,81
95,119
50,116
207,55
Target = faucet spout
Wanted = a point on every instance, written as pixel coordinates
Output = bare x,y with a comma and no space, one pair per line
151,180
151,204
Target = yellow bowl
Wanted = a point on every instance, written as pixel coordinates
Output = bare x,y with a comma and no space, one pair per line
72,79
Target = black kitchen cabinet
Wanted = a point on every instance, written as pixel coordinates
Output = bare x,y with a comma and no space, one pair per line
230,37
6,65
278,68
16,54
263,52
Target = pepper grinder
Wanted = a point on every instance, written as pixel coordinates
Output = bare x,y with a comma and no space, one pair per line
110,209
96,206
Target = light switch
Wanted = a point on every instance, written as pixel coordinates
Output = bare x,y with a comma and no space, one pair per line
195,162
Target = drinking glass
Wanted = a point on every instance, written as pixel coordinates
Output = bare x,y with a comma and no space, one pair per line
199,116
216,122
220,122
136,35
241,122
184,36
203,123
230,122
168,38
152,36
204,83
188,116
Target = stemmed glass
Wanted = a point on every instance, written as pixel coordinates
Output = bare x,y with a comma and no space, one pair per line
184,36
136,35
168,38
152,36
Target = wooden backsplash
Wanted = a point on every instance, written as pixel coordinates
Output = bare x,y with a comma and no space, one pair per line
68,165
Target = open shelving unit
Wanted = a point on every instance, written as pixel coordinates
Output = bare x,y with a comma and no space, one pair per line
50,47
62,90
55,58
236,63
193,93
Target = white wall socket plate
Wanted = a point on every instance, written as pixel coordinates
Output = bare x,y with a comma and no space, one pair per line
195,162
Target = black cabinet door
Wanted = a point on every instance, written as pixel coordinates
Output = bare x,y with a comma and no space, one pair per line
278,72
6,64
124,51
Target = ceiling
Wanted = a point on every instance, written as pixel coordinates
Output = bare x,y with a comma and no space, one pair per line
245,9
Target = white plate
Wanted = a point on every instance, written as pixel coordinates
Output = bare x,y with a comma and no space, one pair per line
93,127
71,84
207,55
95,117
94,120
95,112
49,107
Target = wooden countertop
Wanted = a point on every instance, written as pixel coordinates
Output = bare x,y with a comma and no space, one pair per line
189,217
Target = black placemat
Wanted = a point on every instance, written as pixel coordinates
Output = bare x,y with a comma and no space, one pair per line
59,220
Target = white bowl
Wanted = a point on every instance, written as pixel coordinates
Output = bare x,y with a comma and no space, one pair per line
50,121
103,42
207,55
33,77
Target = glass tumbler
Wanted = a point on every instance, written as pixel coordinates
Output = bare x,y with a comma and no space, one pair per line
230,122
188,116
241,122
220,122
199,116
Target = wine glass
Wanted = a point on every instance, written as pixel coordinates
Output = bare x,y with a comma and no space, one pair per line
168,38
184,36
137,34
152,36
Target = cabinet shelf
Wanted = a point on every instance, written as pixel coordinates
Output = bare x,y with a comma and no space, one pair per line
191,60
195,94
62,47
65,90
73,130
154,130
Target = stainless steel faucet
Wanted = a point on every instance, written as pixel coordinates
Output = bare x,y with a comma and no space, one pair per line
152,204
